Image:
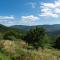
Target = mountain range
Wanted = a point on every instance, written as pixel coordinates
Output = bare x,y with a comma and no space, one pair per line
51,29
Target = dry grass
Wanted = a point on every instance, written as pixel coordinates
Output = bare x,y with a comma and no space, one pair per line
18,50
46,54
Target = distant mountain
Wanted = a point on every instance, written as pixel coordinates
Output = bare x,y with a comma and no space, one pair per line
5,29
52,29
49,28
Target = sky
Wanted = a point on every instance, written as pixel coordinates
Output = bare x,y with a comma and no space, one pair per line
29,12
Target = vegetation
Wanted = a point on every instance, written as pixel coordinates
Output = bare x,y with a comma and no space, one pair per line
37,38
35,44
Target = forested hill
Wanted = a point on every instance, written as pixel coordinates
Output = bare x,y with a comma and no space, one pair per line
5,29
51,29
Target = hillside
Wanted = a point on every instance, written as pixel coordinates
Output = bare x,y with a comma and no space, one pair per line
52,29
55,27
3,28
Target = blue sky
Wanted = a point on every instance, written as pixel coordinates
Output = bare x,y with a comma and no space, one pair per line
29,12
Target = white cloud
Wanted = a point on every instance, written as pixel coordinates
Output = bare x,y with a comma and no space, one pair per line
33,4
48,5
49,14
7,20
29,20
50,9
6,17
57,10
24,20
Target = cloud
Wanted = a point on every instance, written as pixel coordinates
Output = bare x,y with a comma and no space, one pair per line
33,4
50,9
23,20
6,17
29,20
49,14
7,20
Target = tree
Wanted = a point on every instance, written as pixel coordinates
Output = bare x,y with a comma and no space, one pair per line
13,34
9,35
57,43
37,37
46,42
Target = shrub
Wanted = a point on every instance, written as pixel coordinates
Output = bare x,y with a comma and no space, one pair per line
9,35
37,37
57,43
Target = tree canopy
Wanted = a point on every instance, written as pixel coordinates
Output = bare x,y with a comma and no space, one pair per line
37,37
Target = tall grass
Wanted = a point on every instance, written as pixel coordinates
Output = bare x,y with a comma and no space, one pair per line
17,50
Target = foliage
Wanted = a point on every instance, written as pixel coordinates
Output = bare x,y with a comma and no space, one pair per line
37,37
18,45
12,35
4,57
9,35
57,43
46,42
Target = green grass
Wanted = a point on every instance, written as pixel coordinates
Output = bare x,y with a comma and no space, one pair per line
4,57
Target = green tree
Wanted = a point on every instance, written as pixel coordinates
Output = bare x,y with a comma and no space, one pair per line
57,43
46,42
37,37
13,34
9,35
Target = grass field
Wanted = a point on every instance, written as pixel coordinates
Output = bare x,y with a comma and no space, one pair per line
15,50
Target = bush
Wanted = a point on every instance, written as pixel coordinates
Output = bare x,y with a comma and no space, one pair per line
37,37
57,43
12,35
9,36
